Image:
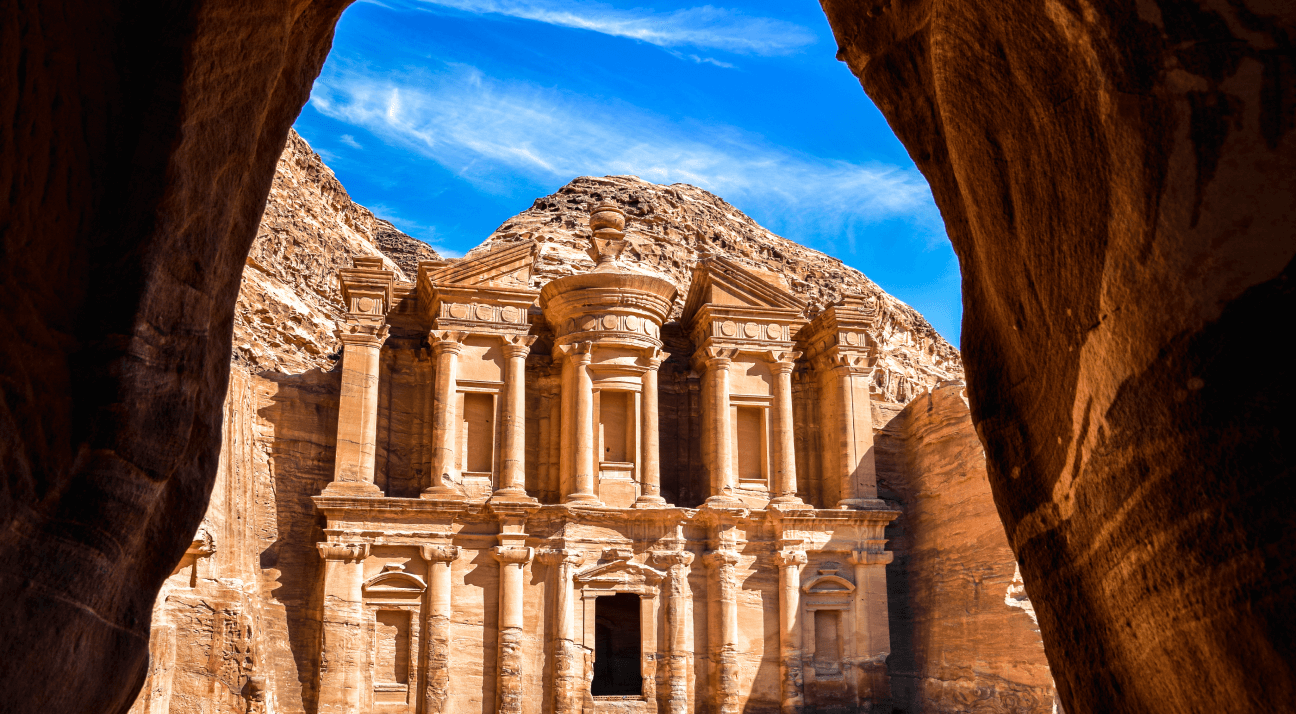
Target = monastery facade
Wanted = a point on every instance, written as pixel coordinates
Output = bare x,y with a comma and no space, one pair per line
599,508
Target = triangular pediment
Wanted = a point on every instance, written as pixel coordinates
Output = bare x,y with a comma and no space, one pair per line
620,572
394,580
723,282
508,267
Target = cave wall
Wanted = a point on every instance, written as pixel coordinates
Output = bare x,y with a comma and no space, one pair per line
140,141
1117,181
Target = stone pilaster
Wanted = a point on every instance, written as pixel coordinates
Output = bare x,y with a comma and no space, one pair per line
871,643
436,633
568,654
854,421
725,652
678,654
784,486
357,435
343,644
446,346
789,562
650,435
512,481
512,560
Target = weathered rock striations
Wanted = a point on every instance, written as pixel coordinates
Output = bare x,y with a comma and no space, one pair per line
289,302
669,227
963,633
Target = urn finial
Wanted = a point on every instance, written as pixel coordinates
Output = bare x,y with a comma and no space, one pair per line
607,221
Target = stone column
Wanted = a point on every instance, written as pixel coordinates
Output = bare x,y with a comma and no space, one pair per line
446,347
871,640
513,560
584,470
789,563
436,687
719,429
512,482
784,441
344,647
856,469
679,658
722,564
650,436
357,434
569,657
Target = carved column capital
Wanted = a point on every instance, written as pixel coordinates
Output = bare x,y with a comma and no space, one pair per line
561,557
439,553
672,558
343,551
447,341
361,332
790,558
782,362
579,352
871,556
513,554
720,558
518,346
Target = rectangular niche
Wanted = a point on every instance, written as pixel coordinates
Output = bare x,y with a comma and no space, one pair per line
478,451
392,649
750,443
827,644
615,441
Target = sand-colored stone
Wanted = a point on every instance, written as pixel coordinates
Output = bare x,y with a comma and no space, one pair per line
963,632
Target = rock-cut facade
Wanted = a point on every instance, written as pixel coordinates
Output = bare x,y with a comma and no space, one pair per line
594,524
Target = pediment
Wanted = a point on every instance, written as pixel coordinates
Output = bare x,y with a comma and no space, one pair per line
508,267
619,573
829,585
394,580
723,282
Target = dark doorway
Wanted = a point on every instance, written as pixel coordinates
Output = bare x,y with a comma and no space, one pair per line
616,646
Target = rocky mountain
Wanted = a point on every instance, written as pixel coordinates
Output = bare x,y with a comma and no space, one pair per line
669,226
289,303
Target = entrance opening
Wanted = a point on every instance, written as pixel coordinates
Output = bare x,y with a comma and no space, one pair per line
617,644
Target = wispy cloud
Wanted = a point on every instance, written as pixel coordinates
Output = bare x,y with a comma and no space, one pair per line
490,131
350,141
704,27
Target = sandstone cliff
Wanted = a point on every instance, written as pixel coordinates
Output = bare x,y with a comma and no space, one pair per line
668,226
964,637
289,302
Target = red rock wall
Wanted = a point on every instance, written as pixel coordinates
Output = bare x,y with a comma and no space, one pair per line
963,634
1116,179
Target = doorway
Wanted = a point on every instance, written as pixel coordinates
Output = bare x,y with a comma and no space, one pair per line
617,643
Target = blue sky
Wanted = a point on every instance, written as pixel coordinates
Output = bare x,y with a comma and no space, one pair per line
447,117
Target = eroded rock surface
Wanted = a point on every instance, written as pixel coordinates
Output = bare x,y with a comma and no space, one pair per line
289,301
963,631
670,226
1116,179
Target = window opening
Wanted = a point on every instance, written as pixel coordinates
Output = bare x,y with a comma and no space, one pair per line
617,641
479,427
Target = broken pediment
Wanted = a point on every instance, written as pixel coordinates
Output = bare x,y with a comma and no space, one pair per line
622,575
723,282
508,267
828,583
393,580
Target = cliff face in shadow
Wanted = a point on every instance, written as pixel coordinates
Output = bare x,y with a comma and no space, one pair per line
963,632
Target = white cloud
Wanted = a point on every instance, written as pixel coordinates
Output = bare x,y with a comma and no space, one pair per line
350,141
704,26
489,132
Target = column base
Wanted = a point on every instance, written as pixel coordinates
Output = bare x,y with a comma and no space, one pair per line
443,493
789,503
723,501
650,502
582,499
862,504
512,495
353,489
